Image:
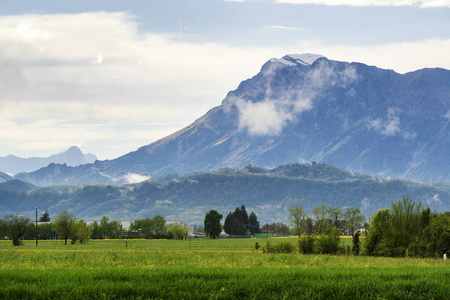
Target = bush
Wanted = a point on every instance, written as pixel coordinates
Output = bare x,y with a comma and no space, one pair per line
306,244
356,243
329,241
281,247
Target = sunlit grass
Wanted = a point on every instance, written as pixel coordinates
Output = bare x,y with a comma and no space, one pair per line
206,269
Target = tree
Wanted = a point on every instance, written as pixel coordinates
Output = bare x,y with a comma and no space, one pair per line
279,228
233,226
96,230
354,219
238,222
45,217
45,231
80,232
356,243
16,227
178,231
265,228
329,240
244,217
159,227
64,224
320,214
335,213
298,219
402,230
155,227
108,230
253,223
212,224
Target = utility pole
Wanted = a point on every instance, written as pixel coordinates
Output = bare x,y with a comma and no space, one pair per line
36,229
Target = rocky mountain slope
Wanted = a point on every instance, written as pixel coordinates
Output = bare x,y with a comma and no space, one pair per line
301,108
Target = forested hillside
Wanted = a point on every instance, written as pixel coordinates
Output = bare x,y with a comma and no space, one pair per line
267,192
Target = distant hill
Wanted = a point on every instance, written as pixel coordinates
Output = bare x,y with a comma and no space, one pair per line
71,157
267,192
17,186
4,177
302,108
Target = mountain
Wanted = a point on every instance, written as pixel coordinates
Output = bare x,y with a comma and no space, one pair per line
16,186
4,177
267,192
72,157
302,108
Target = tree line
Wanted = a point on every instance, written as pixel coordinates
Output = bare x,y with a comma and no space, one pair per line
348,221
68,227
406,229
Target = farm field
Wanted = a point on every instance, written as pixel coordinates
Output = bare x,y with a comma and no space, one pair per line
209,269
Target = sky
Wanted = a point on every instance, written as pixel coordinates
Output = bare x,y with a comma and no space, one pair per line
110,76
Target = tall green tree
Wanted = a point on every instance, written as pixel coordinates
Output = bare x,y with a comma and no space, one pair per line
297,217
45,217
356,243
160,228
212,224
238,222
244,216
335,213
320,214
233,225
253,223
354,219
394,232
64,224
16,226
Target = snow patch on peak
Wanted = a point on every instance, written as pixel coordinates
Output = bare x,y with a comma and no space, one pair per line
306,59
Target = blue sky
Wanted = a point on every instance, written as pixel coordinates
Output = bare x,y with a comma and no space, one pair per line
111,76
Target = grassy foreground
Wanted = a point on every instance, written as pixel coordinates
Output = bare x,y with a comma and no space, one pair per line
209,269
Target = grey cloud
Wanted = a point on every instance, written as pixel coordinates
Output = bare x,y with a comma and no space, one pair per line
12,79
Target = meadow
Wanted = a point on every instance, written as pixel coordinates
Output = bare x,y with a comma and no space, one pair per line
209,269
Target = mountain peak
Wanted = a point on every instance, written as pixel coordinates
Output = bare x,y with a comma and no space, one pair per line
74,150
305,59
72,157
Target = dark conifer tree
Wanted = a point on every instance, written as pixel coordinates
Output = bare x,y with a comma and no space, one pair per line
253,224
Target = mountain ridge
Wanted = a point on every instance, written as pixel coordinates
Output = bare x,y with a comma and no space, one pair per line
351,115
267,192
73,157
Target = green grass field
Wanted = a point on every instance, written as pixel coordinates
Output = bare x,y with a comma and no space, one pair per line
209,269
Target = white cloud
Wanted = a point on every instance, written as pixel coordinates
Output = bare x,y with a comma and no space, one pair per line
280,27
434,199
285,103
262,118
389,126
135,178
98,61
422,3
